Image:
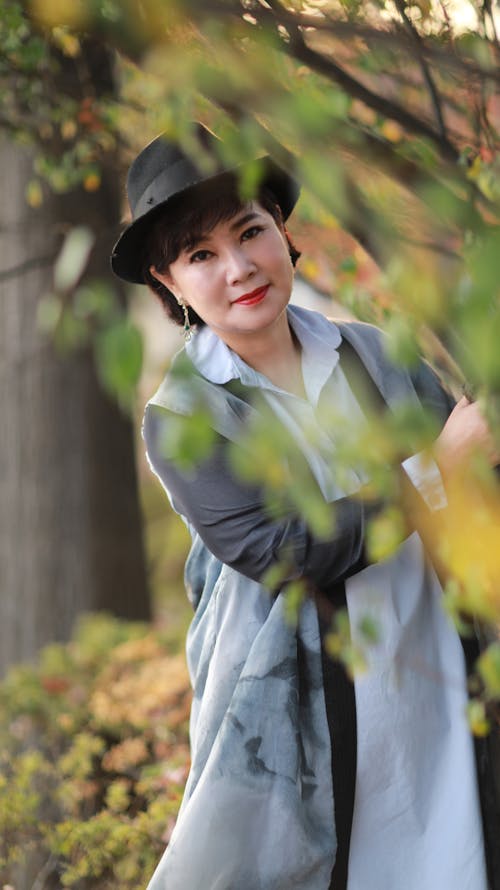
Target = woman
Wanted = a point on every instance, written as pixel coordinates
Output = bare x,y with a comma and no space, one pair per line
299,778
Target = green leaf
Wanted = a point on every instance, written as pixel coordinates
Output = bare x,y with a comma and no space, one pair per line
73,258
369,629
402,343
189,439
294,597
96,300
478,721
49,312
488,666
118,352
385,534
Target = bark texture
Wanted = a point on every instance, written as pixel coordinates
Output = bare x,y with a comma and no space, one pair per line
70,528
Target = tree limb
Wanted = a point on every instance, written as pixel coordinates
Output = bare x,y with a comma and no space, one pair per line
395,37
301,52
426,72
383,106
22,268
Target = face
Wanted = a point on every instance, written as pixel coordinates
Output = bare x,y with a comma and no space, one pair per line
238,277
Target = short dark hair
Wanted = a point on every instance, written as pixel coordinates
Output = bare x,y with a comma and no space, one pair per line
187,220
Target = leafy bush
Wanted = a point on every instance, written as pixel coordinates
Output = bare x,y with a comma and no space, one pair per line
94,756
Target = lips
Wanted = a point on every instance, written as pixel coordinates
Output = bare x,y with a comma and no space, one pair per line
253,297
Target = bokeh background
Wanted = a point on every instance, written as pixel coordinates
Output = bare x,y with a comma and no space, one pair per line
389,114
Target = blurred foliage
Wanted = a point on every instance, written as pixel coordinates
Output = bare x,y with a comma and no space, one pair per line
289,485
83,312
94,756
389,113
167,542
339,642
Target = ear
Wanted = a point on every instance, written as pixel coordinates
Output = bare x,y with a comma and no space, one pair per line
166,279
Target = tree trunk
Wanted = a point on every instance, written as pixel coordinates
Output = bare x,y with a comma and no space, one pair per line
70,527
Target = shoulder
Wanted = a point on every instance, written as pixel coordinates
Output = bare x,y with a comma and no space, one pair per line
363,335
174,399
179,391
432,392
373,348
190,405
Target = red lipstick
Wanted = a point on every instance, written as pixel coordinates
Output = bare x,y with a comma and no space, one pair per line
253,297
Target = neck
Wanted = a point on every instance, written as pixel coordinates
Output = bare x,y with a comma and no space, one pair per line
277,355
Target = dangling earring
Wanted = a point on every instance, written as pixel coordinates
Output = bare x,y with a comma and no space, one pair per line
187,327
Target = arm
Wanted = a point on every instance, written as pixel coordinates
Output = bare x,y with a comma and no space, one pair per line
465,434
465,431
230,517
466,520
422,469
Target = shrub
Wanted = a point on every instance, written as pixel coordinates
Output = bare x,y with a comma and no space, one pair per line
94,756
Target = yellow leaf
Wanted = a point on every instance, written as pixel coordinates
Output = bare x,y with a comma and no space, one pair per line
489,668
392,131
475,168
56,12
310,268
478,721
68,129
92,182
68,43
34,194
385,534
467,542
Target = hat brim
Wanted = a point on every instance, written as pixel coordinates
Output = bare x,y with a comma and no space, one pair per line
127,255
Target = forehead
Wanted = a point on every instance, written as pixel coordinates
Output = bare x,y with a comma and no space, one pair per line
242,215
219,220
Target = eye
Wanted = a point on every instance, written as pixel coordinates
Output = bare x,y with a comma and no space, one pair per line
199,256
252,232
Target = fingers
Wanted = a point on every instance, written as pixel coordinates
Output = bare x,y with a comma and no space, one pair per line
465,433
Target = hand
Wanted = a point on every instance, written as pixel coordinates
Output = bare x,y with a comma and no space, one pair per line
465,434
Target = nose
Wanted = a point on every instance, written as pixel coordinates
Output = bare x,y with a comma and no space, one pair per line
239,265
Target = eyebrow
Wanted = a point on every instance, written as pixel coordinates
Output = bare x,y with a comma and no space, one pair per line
243,220
240,221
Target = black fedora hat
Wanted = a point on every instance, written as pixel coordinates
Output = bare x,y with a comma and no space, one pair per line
161,173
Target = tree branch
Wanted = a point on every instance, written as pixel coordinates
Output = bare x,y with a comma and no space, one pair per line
27,266
386,107
426,72
299,50
393,37
397,37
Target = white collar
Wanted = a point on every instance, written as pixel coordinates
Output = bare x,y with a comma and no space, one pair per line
318,337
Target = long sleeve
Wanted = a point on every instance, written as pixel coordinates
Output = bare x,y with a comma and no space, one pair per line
231,518
421,469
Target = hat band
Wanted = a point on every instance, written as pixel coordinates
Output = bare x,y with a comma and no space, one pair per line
169,182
